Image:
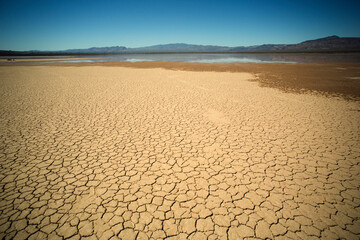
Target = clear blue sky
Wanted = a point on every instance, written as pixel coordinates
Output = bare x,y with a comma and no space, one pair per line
66,24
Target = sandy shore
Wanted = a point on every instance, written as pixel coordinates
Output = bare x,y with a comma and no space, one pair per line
331,79
119,152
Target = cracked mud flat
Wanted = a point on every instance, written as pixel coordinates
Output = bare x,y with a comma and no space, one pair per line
111,152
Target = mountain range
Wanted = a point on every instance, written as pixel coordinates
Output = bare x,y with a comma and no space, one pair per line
328,44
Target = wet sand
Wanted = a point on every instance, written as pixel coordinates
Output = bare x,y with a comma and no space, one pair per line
149,153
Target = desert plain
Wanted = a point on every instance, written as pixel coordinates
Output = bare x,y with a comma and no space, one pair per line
138,151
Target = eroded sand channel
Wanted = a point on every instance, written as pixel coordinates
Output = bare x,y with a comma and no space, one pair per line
153,153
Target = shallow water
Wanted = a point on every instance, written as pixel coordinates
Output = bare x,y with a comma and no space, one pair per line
217,57
231,58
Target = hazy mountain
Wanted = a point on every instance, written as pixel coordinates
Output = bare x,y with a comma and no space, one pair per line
332,43
328,44
180,47
259,48
115,49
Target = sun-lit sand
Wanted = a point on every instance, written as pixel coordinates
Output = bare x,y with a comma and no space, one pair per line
154,153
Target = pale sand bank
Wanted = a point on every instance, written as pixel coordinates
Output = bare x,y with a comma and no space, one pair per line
153,153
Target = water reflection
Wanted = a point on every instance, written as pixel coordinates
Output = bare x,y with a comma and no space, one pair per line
234,58
213,58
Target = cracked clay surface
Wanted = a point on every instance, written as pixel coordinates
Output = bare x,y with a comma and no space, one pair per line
121,153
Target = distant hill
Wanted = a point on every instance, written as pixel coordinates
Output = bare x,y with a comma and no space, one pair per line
115,49
260,48
180,47
333,43
328,44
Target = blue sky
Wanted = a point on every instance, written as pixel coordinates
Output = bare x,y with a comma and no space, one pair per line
66,24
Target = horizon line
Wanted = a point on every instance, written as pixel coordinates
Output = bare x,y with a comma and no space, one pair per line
174,43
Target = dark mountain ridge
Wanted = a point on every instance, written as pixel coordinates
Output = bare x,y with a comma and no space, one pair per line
327,44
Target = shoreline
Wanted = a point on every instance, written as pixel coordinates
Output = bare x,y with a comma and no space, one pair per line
330,79
335,79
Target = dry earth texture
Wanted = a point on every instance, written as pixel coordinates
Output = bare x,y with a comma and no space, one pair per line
330,79
122,153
